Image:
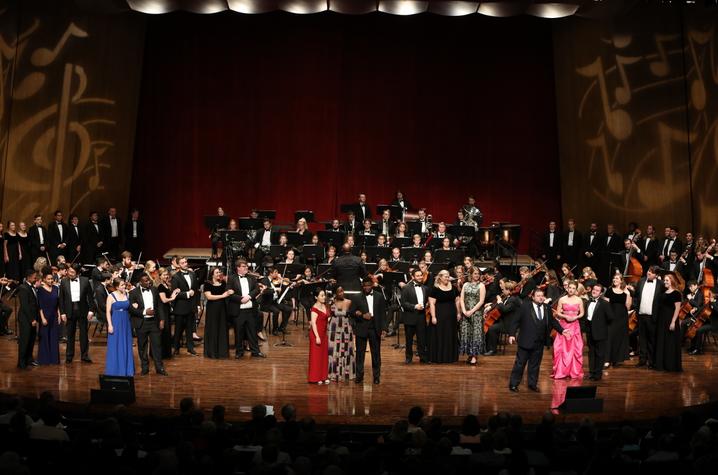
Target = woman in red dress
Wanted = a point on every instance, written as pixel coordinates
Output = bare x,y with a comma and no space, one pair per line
318,344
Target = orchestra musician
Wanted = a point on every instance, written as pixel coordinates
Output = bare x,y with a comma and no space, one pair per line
129,269
571,244
367,229
425,221
671,241
386,226
362,209
508,305
402,203
711,325
651,248
381,241
303,230
527,283
276,300
472,211
350,225
674,264
401,230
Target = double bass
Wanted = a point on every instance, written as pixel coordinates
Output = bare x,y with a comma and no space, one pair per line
634,270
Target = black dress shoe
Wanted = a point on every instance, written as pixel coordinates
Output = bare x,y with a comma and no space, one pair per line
490,353
407,361
359,381
695,352
68,361
259,355
534,389
35,363
239,356
514,389
193,353
145,372
376,381
175,353
86,360
162,372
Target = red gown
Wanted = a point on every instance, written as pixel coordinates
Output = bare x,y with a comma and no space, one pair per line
319,354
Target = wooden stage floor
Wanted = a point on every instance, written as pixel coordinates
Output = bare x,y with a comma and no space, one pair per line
450,391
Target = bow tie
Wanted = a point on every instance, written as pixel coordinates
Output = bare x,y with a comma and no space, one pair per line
146,290
417,285
593,300
185,273
74,280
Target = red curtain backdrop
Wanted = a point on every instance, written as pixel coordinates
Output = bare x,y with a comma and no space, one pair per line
290,112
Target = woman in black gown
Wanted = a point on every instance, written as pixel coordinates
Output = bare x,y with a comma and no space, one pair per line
620,300
216,337
26,262
668,329
167,296
443,331
11,251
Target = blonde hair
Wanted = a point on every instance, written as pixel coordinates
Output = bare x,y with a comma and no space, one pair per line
439,275
509,285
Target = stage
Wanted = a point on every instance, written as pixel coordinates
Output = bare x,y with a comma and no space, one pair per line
449,391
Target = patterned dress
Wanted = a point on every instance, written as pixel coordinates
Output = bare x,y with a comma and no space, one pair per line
471,329
342,362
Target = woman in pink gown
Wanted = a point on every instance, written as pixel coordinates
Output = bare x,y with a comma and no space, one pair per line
568,351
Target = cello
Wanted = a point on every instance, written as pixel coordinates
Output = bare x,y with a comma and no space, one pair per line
707,280
634,270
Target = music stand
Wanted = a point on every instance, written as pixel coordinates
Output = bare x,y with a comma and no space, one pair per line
250,223
325,270
315,253
411,254
395,211
461,231
401,267
306,214
294,239
333,238
371,252
290,270
371,267
401,242
455,256
212,222
277,251
414,227
391,281
364,240
383,253
436,267
229,236
266,213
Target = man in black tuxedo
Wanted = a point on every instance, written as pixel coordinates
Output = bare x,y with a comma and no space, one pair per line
27,318
243,311
102,265
386,226
134,233
630,249
349,270
413,303
645,301
368,311
77,306
92,244
572,244
651,249
611,255
148,323
535,321
670,243
351,224
74,238
675,264
111,228
184,305
551,246
101,294
37,235
598,314
362,209
592,248
57,236
276,301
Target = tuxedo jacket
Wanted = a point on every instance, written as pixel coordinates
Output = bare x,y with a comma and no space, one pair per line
556,249
128,230
137,314
101,295
184,304
29,310
412,316
577,242
33,235
74,237
87,298
651,249
235,300
677,246
361,326
656,296
106,229
534,333
597,328
91,236
53,236
362,215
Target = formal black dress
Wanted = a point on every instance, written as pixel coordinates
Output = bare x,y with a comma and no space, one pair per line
443,338
13,267
165,310
617,351
668,343
26,263
216,338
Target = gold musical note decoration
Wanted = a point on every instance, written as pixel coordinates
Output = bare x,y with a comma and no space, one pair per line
662,67
623,92
45,56
618,122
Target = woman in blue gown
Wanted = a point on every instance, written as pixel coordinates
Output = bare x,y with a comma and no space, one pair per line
120,360
49,333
